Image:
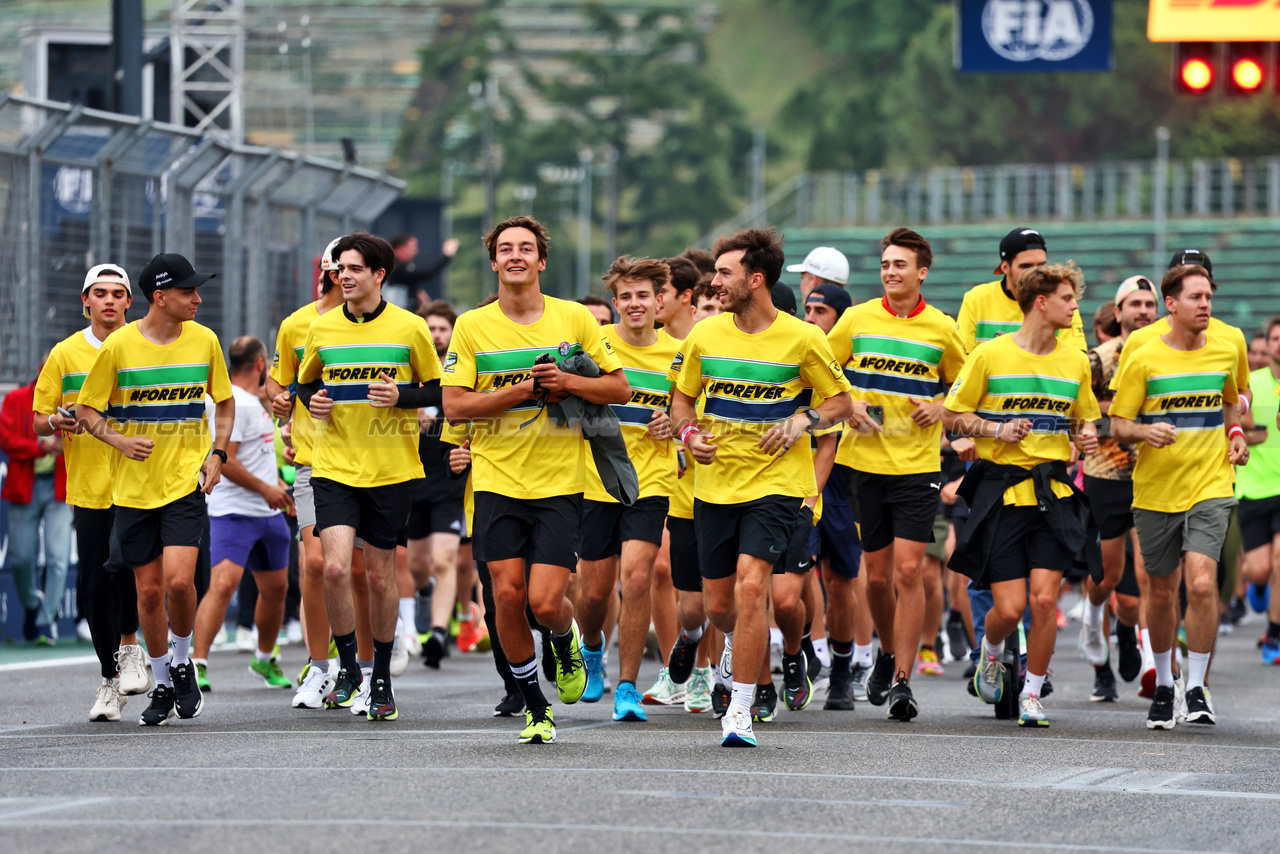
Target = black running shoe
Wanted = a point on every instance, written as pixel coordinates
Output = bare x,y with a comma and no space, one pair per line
186,690
509,706
161,708
1237,610
720,697
957,637
1104,685
880,680
1198,709
765,705
797,689
1130,663
813,664
434,649
683,657
1047,688
422,609
1161,715
382,703
346,687
902,705
840,692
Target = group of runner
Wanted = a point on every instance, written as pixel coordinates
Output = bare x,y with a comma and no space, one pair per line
778,469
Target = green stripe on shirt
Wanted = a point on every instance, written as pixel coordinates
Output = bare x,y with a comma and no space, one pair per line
162,375
773,373
882,345
1183,383
364,354
1032,384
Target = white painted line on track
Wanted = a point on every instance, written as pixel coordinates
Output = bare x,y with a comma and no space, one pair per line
49,662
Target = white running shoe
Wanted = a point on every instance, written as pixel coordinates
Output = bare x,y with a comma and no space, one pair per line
108,703
316,685
413,643
1093,644
399,656
736,731
724,674
220,639
135,669
82,630
246,639
360,706
665,692
1030,712
293,631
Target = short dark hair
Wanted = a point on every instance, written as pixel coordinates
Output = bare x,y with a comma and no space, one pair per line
704,289
908,239
628,269
1271,323
1045,280
538,229
1105,318
761,252
245,350
700,258
1171,284
375,251
398,240
684,273
439,308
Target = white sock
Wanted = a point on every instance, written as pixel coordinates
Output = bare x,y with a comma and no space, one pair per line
693,635
1199,666
1164,668
862,654
743,694
408,613
994,650
1033,685
821,650
259,655
160,669
1177,657
1094,614
181,649
775,636
1146,641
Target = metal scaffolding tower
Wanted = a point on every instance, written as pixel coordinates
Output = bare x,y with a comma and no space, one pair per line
208,66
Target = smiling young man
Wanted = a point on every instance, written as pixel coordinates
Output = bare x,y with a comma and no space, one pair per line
366,453
760,370
1177,395
900,355
624,541
150,380
528,474
107,595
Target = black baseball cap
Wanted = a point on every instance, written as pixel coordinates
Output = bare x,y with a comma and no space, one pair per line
170,270
1016,241
784,299
1191,256
832,295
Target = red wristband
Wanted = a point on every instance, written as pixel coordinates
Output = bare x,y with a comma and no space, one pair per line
684,434
1235,430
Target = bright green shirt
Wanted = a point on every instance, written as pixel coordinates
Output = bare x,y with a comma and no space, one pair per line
1261,477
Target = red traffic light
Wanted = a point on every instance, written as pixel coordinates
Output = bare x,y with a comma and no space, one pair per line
1197,75
1247,74
1248,66
1195,66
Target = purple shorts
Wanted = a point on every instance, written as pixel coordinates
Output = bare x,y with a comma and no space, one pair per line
257,543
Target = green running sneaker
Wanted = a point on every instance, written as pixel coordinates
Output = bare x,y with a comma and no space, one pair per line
539,727
270,672
202,676
571,670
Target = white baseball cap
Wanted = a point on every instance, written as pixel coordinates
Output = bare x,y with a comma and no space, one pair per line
825,262
94,276
326,260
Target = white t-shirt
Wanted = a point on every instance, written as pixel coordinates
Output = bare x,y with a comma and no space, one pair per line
256,434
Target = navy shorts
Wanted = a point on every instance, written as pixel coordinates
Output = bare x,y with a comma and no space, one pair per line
835,538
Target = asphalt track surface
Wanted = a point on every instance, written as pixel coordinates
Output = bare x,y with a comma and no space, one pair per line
252,775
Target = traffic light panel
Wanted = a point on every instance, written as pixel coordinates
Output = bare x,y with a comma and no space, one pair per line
1194,67
1249,65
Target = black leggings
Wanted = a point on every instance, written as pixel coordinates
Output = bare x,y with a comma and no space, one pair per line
107,594
500,662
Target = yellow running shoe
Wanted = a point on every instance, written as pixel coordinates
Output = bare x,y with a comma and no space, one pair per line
539,727
927,664
571,669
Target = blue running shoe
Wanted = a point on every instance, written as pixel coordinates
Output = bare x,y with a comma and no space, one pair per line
1259,597
1271,652
627,704
595,674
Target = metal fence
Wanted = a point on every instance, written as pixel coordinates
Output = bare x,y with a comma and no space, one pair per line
80,187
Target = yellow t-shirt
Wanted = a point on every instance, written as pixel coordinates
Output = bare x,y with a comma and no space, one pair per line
655,462
889,360
747,395
358,444
1001,382
490,351
682,499
1217,329
987,312
90,463
1187,389
291,340
158,391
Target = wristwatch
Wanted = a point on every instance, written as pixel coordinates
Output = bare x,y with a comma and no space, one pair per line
814,418
221,454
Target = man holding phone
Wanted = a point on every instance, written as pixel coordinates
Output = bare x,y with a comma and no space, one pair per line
899,354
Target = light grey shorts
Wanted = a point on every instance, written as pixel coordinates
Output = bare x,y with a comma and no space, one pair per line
1163,537
304,499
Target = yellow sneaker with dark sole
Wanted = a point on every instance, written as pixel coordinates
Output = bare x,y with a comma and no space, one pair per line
539,727
571,669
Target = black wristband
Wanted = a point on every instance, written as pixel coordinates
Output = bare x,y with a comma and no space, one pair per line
219,453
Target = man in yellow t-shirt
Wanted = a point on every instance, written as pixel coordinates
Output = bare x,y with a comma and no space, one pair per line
1024,397
149,381
614,536
108,597
1177,394
991,310
358,366
528,473
760,370
900,354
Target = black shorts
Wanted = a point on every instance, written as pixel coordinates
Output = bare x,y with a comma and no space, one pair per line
1025,542
540,530
427,517
835,537
1259,521
893,506
606,525
1128,585
684,555
1111,502
145,534
378,513
760,528
798,558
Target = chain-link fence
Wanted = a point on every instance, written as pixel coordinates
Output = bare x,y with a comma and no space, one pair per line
80,187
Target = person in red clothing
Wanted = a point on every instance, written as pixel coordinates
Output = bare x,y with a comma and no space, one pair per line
36,489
